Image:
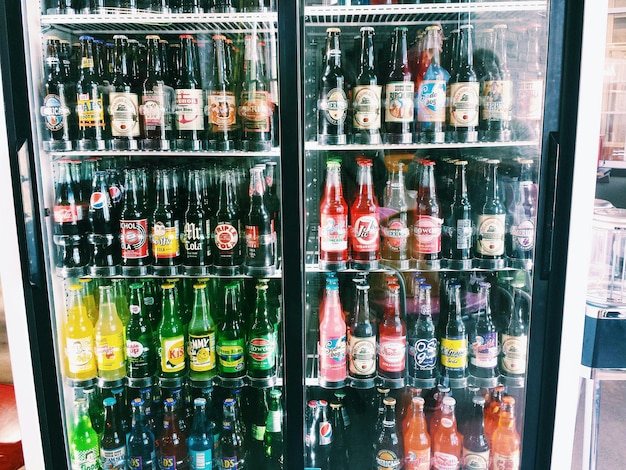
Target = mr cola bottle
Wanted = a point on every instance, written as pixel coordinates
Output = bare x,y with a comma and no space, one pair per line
196,234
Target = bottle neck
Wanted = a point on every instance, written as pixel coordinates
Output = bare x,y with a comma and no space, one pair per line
461,182
333,188
153,61
188,64
454,303
362,306
367,55
492,183
163,188
392,307
333,54
466,54
425,311
131,195
170,306
365,183
400,66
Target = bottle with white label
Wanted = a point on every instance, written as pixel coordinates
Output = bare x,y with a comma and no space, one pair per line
189,99
514,338
332,103
475,445
484,343
491,223
399,93
506,443
362,343
366,95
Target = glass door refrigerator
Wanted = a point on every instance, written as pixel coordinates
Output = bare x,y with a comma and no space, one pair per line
433,224
152,178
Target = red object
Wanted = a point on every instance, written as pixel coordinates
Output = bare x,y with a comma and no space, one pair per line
365,238
11,456
333,219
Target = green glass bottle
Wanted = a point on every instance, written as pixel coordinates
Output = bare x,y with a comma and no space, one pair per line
274,432
84,446
261,354
231,338
140,346
171,336
201,338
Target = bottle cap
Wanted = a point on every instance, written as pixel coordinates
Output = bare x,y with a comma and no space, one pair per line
199,401
333,30
449,401
153,37
478,400
185,36
121,37
137,402
86,38
109,401
74,287
367,28
388,401
275,393
419,401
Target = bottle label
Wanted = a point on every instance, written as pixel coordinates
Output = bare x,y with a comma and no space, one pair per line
464,104
110,351
424,353
230,354
490,239
153,108
485,350
366,236
87,459
167,462
258,432
165,243
201,351
334,105
222,111
417,459
529,99
124,112
262,352
200,459
333,353
173,354
194,241
135,350
90,112
255,240
226,236
256,111
69,214
54,112
497,100
399,102
79,352
362,355
138,462
274,421
475,460
113,459
514,350
443,461
333,233
326,433
134,238
523,235
189,110
366,104
427,231
388,460
392,353
86,63
463,234
431,101
230,463
395,235
506,462
454,353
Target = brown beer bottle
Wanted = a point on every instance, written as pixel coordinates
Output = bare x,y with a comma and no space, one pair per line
221,103
399,105
332,104
189,99
366,95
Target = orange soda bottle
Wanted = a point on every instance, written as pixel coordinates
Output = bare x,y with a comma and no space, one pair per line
505,449
447,442
435,418
416,438
492,411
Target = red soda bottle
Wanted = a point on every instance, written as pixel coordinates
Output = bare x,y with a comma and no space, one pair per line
332,346
333,230
392,338
365,222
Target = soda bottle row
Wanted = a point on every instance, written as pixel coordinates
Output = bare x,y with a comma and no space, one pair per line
118,338
100,7
418,430
122,94
485,228
196,428
222,223
468,95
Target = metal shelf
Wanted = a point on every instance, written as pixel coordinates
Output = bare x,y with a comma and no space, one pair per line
314,146
163,153
412,14
161,23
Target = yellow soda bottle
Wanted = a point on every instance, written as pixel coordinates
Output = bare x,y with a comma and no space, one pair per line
89,300
110,338
79,339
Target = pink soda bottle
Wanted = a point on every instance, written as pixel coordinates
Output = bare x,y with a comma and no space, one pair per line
332,345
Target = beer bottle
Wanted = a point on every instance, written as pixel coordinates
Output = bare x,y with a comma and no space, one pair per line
366,95
447,442
232,447
422,366
505,449
333,230
475,445
258,414
255,105
514,339
464,95
417,442
454,341
103,238
521,235
172,450
427,220
189,99
332,104
221,101
227,234
392,338
196,229
156,99
388,452
491,223
79,338
231,338
261,350
497,93
110,339
365,222
530,85
399,124
113,440
273,205
134,238
271,75
165,227
140,346
140,445
484,342
171,336
200,440
84,442
58,110
431,89
90,104
123,101
201,339
259,229
362,340
458,231
273,442
332,345
394,224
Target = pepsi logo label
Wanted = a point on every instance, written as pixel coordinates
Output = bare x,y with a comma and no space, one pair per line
98,200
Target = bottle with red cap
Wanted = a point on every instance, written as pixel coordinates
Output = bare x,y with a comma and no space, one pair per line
392,339
365,221
333,230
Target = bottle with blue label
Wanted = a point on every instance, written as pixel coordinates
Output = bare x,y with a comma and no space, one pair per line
200,441
112,442
422,343
140,446
232,450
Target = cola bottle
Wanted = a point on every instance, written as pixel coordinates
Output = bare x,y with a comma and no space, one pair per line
227,230
165,228
260,236
196,233
388,452
134,237
103,239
